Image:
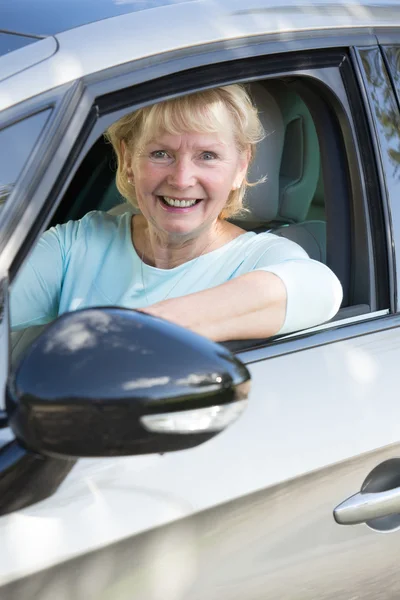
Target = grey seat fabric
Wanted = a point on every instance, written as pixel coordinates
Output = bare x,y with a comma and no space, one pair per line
295,142
262,200
299,176
310,235
317,208
300,167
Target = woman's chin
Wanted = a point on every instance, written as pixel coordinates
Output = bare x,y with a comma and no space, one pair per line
179,228
172,222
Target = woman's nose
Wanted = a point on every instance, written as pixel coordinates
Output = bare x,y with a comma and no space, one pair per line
182,174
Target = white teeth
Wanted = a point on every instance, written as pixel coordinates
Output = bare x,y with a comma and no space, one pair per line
179,203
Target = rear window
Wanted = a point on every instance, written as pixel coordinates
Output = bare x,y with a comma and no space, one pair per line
10,42
16,144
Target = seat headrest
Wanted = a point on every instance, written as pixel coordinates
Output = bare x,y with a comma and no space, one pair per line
300,168
263,199
288,156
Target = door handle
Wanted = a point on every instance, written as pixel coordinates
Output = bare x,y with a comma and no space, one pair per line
366,506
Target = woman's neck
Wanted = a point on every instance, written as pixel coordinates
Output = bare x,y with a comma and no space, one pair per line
166,251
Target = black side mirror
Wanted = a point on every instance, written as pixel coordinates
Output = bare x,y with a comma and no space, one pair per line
108,382
112,381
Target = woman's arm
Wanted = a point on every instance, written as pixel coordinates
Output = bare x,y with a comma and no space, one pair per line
258,304
250,306
35,293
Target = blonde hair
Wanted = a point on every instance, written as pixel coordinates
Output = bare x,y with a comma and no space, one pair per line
199,112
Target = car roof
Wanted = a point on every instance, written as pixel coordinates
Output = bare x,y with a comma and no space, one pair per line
50,17
158,27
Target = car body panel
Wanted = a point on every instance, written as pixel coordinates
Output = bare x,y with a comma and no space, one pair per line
119,40
23,58
265,545
45,17
104,501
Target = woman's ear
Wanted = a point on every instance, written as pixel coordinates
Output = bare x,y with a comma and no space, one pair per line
244,162
126,159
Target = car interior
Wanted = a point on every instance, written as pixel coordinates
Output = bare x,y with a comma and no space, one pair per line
290,200
288,158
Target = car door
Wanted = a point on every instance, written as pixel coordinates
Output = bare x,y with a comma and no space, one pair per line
250,513
328,417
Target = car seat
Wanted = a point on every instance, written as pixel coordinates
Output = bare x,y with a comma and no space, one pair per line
292,167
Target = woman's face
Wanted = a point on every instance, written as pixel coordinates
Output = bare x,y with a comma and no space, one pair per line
182,182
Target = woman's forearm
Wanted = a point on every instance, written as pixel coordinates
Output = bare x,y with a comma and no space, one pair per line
251,306
287,297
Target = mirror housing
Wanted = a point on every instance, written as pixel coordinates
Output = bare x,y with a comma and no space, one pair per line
114,381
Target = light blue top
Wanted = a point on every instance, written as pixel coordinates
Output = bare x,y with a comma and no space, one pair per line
92,262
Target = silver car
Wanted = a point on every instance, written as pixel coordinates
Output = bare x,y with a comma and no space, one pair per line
291,499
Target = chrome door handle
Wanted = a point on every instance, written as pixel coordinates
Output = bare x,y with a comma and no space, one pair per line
366,506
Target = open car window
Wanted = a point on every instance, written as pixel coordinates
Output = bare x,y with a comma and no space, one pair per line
312,192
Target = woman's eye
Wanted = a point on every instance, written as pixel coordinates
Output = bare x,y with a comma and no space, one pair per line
159,154
209,155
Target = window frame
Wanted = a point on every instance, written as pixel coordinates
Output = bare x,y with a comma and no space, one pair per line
34,196
109,106
391,182
303,63
342,211
383,101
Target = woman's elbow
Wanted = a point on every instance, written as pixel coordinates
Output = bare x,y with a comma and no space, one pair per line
313,297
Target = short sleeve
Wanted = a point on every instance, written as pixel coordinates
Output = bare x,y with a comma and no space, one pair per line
314,293
35,293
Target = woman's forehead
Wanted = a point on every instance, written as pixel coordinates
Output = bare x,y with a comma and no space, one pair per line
168,118
216,139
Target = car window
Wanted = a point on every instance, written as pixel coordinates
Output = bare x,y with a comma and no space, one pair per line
313,193
392,54
17,142
10,42
289,158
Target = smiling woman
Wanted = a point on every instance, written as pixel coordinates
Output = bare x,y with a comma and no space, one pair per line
183,163
218,126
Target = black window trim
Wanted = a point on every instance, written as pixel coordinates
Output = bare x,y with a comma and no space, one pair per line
379,149
322,335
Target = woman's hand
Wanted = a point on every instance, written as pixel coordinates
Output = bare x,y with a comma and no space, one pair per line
251,306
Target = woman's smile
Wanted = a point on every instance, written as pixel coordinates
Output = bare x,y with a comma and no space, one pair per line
177,205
